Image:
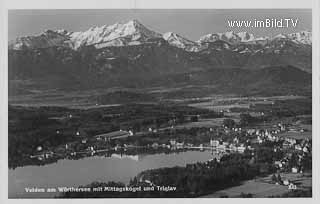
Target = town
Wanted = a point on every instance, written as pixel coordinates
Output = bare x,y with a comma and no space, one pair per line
275,144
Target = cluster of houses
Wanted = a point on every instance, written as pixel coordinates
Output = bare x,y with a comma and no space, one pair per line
288,141
114,135
41,154
267,135
258,135
291,185
233,146
213,144
286,182
301,149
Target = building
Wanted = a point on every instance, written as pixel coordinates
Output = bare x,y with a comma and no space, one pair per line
298,147
251,131
291,186
125,156
294,170
172,142
180,144
113,135
267,133
278,164
286,182
236,140
290,140
43,155
155,145
48,154
233,147
225,144
250,148
281,127
81,133
241,149
286,144
221,147
214,143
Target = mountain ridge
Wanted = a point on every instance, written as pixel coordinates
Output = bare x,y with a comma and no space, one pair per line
131,55
133,32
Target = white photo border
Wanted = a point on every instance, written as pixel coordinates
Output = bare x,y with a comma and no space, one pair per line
157,4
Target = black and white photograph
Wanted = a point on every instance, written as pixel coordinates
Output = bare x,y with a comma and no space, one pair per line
160,103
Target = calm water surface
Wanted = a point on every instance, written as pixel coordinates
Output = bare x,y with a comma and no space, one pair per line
73,173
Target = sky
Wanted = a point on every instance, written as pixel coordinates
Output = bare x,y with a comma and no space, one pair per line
191,24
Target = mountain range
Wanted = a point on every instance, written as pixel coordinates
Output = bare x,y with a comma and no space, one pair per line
135,33
131,55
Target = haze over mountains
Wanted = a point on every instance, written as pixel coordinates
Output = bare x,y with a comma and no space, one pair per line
131,55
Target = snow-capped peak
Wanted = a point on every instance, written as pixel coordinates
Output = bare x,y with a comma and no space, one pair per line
62,32
209,38
304,37
135,33
244,36
48,38
280,36
181,42
262,38
168,35
229,34
177,40
230,37
119,34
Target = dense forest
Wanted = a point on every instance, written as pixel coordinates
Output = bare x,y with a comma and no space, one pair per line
192,180
49,127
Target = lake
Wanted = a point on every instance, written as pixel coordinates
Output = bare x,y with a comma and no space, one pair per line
73,173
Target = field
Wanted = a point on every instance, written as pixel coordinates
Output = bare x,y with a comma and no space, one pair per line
297,135
263,187
211,122
228,102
